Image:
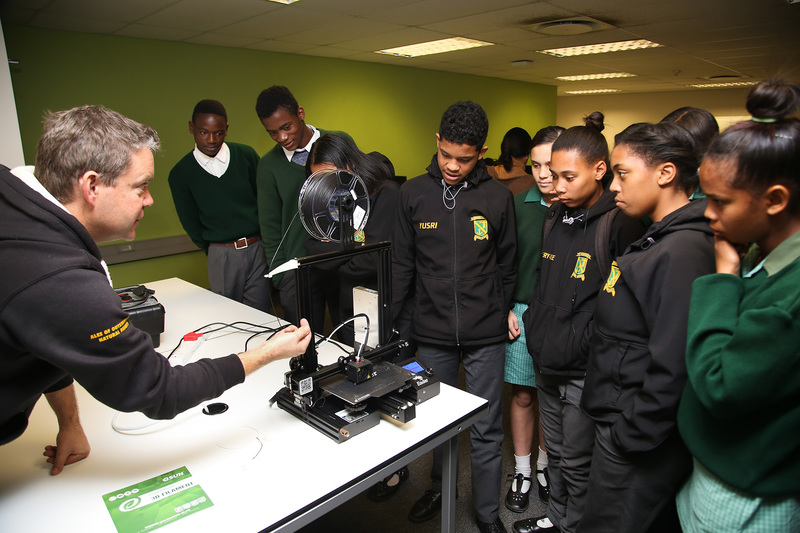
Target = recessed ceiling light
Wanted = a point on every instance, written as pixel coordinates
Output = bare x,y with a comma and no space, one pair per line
723,77
602,48
434,47
569,26
593,91
729,84
565,27
603,76
287,2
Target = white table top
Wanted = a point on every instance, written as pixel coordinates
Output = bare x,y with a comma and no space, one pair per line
258,465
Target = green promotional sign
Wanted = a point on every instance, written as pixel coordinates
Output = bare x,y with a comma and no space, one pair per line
156,502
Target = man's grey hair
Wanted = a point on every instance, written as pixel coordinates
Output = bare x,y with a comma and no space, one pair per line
88,138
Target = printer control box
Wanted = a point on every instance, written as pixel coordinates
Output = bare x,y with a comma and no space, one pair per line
144,310
424,385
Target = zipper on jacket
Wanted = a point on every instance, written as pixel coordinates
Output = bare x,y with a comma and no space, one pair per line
455,275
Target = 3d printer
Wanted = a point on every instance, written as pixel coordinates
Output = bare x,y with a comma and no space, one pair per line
347,398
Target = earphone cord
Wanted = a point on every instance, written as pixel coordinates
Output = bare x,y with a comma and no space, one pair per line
449,195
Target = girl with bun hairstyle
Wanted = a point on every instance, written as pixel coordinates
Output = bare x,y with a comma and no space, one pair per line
637,370
740,410
582,232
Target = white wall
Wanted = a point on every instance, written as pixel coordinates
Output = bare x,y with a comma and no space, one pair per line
622,110
11,145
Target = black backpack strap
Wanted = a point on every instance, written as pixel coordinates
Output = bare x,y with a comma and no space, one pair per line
602,238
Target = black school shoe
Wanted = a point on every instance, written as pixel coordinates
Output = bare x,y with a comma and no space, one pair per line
426,507
381,491
516,500
529,525
544,490
491,527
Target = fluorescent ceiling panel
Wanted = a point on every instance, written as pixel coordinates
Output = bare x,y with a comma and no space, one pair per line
604,76
602,48
729,84
593,91
434,47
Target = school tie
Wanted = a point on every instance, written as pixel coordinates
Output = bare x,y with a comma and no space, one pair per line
300,157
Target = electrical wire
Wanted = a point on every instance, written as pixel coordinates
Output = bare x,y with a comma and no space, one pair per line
261,329
217,326
130,430
351,319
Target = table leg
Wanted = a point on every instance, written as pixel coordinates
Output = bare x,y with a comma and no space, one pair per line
449,476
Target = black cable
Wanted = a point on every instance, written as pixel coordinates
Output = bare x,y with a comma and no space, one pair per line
222,325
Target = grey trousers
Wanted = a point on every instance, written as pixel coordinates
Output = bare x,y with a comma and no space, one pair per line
634,493
483,367
569,436
239,274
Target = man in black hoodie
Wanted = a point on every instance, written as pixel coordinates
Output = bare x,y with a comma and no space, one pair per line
60,319
455,238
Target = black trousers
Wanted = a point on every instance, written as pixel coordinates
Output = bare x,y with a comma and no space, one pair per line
483,369
634,493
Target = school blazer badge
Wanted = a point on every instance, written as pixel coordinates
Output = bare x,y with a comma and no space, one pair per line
580,266
481,227
359,236
613,276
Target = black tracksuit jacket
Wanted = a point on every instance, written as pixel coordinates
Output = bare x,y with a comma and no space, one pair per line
463,261
569,280
637,362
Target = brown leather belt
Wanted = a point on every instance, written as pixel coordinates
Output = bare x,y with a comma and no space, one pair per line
240,244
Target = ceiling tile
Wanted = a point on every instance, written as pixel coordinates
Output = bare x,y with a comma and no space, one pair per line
194,14
116,10
430,12
353,7
67,22
330,51
340,28
392,39
274,45
143,31
220,39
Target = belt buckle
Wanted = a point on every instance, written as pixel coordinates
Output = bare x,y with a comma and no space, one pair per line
236,243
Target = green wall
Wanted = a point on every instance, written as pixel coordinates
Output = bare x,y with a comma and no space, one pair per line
394,110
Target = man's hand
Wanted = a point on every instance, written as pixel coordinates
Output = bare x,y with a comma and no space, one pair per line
288,342
71,443
71,447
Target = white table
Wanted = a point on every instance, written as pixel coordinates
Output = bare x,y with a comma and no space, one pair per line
261,467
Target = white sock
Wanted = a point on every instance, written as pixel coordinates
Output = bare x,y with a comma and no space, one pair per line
522,465
544,522
541,464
